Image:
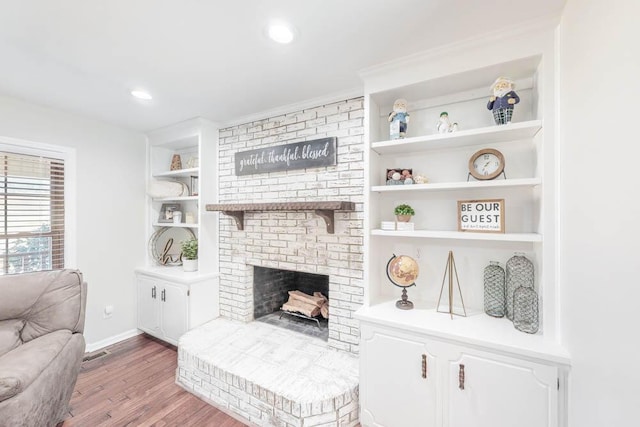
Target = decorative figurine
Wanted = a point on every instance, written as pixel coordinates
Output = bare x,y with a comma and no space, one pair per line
192,162
502,100
445,125
420,179
398,119
176,162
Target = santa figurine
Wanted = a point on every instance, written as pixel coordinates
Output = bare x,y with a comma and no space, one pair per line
398,119
503,100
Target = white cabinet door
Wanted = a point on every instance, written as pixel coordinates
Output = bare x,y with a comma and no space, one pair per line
148,313
173,303
495,391
397,388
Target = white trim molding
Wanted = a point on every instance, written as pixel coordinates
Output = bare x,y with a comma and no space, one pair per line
532,26
91,347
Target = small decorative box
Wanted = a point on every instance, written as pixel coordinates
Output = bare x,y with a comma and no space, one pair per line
405,226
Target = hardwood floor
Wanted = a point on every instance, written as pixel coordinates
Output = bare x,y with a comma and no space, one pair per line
134,385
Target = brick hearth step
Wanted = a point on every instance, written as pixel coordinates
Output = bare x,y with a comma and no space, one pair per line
268,375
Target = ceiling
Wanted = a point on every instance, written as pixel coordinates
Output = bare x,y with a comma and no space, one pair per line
210,58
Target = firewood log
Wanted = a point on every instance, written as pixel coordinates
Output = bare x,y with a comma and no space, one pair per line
319,295
309,299
313,312
324,310
302,304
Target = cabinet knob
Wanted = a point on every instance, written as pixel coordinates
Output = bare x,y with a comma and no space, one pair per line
163,295
461,377
424,366
153,292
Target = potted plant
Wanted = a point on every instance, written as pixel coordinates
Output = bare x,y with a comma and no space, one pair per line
404,213
189,254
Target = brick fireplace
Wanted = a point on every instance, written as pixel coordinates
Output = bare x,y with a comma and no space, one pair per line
268,375
296,240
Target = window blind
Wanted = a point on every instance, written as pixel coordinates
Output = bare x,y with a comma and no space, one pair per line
32,204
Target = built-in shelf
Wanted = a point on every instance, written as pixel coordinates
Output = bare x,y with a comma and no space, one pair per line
177,173
177,274
477,328
461,235
170,224
464,138
325,210
176,199
448,186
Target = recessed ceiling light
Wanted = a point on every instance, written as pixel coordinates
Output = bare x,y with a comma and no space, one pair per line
281,33
141,94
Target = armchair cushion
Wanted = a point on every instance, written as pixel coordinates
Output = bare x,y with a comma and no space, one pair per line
41,345
10,334
20,367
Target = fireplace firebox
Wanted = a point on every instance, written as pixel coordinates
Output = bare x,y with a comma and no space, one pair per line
271,290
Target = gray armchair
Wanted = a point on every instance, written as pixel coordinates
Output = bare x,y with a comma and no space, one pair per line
41,345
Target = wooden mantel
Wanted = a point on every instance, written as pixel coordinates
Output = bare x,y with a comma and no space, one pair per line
325,210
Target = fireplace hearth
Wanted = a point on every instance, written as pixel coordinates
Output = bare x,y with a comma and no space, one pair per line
271,376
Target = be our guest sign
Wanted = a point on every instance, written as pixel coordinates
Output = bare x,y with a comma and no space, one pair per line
297,155
481,215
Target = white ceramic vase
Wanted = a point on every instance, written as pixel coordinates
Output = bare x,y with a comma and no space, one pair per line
190,264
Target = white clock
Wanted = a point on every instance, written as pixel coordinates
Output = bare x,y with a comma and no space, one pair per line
486,164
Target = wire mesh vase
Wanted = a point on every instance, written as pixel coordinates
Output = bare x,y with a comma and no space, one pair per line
494,290
519,273
525,310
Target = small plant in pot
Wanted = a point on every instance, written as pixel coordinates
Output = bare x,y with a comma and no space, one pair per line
404,213
189,254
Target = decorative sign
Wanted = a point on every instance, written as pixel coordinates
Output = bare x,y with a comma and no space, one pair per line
297,155
484,216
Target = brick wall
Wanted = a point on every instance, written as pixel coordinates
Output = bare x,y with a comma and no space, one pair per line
296,240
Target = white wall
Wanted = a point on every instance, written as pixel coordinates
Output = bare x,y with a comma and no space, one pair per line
110,205
600,209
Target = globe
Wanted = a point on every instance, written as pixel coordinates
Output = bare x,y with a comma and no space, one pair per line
403,271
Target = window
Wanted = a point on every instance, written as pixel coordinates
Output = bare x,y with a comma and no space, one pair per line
32,209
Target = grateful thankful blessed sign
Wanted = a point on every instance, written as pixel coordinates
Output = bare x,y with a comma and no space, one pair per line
297,155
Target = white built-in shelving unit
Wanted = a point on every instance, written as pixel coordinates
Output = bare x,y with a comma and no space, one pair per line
500,361
170,300
443,158
195,141
464,138
180,173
